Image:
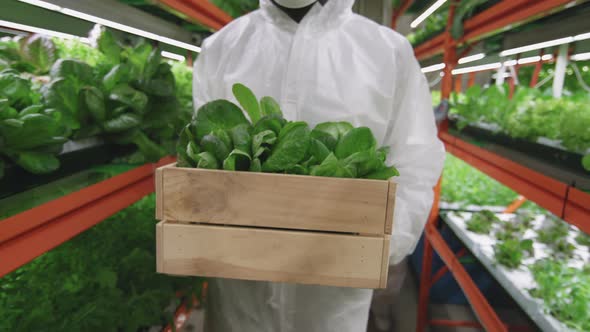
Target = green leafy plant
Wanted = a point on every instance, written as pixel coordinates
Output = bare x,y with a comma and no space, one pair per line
565,292
482,222
221,137
102,280
583,239
556,230
511,251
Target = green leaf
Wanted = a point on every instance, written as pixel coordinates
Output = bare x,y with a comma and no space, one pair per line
237,160
383,174
127,95
37,163
269,122
336,129
290,149
192,152
355,140
248,100
326,138
39,51
261,141
92,101
208,161
219,114
241,138
138,58
16,89
332,167
255,165
107,44
215,146
62,94
79,72
269,106
120,74
122,123
33,109
152,151
318,150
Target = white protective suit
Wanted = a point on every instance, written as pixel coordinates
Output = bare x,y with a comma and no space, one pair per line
332,66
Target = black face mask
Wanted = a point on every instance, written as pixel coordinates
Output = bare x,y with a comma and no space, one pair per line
297,14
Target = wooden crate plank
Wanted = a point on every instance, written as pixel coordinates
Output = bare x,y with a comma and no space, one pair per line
273,255
159,178
160,247
390,208
275,200
385,262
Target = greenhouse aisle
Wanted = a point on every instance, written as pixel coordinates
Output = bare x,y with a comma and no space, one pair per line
149,146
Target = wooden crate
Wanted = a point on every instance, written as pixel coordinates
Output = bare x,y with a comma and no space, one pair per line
273,227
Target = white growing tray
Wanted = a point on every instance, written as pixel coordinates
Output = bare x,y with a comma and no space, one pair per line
517,282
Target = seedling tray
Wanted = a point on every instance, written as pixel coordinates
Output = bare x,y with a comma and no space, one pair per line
273,227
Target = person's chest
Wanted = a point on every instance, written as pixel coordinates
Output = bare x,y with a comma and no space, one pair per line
328,78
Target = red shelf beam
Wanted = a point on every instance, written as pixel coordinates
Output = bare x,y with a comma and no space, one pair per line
562,200
27,235
201,11
505,14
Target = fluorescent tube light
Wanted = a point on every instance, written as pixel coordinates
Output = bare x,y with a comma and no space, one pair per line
427,13
472,58
114,25
432,68
547,57
581,56
532,59
583,36
537,46
42,4
510,63
46,32
466,70
173,56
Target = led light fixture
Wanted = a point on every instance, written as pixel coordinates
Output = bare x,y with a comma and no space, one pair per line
32,29
173,56
472,58
466,70
432,68
427,13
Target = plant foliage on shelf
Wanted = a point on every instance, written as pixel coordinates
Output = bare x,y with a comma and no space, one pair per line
102,280
53,90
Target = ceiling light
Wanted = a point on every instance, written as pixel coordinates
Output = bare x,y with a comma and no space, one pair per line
472,58
432,68
510,63
547,57
532,59
114,25
489,66
427,13
41,31
537,46
582,36
581,56
173,56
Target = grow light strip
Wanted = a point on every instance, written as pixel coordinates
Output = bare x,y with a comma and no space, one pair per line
550,43
466,70
581,56
173,56
32,29
472,58
112,24
427,13
429,69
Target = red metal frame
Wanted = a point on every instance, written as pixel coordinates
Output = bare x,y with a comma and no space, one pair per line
27,235
505,14
201,11
399,12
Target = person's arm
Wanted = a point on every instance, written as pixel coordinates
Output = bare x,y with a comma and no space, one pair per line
416,151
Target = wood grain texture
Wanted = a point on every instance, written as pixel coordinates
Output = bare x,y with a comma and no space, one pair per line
275,200
159,178
385,262
160,247
390,207
273,255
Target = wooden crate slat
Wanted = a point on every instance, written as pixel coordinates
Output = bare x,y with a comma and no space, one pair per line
274,255
275,200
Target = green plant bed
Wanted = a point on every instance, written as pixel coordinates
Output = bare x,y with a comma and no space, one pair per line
102,280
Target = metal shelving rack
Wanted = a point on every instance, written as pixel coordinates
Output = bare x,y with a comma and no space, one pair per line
560,198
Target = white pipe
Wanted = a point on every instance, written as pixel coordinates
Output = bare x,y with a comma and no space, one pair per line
560,67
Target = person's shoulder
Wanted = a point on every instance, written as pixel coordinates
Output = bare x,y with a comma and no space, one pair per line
231,33
388,37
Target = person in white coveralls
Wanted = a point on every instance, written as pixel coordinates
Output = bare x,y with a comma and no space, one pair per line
322,62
